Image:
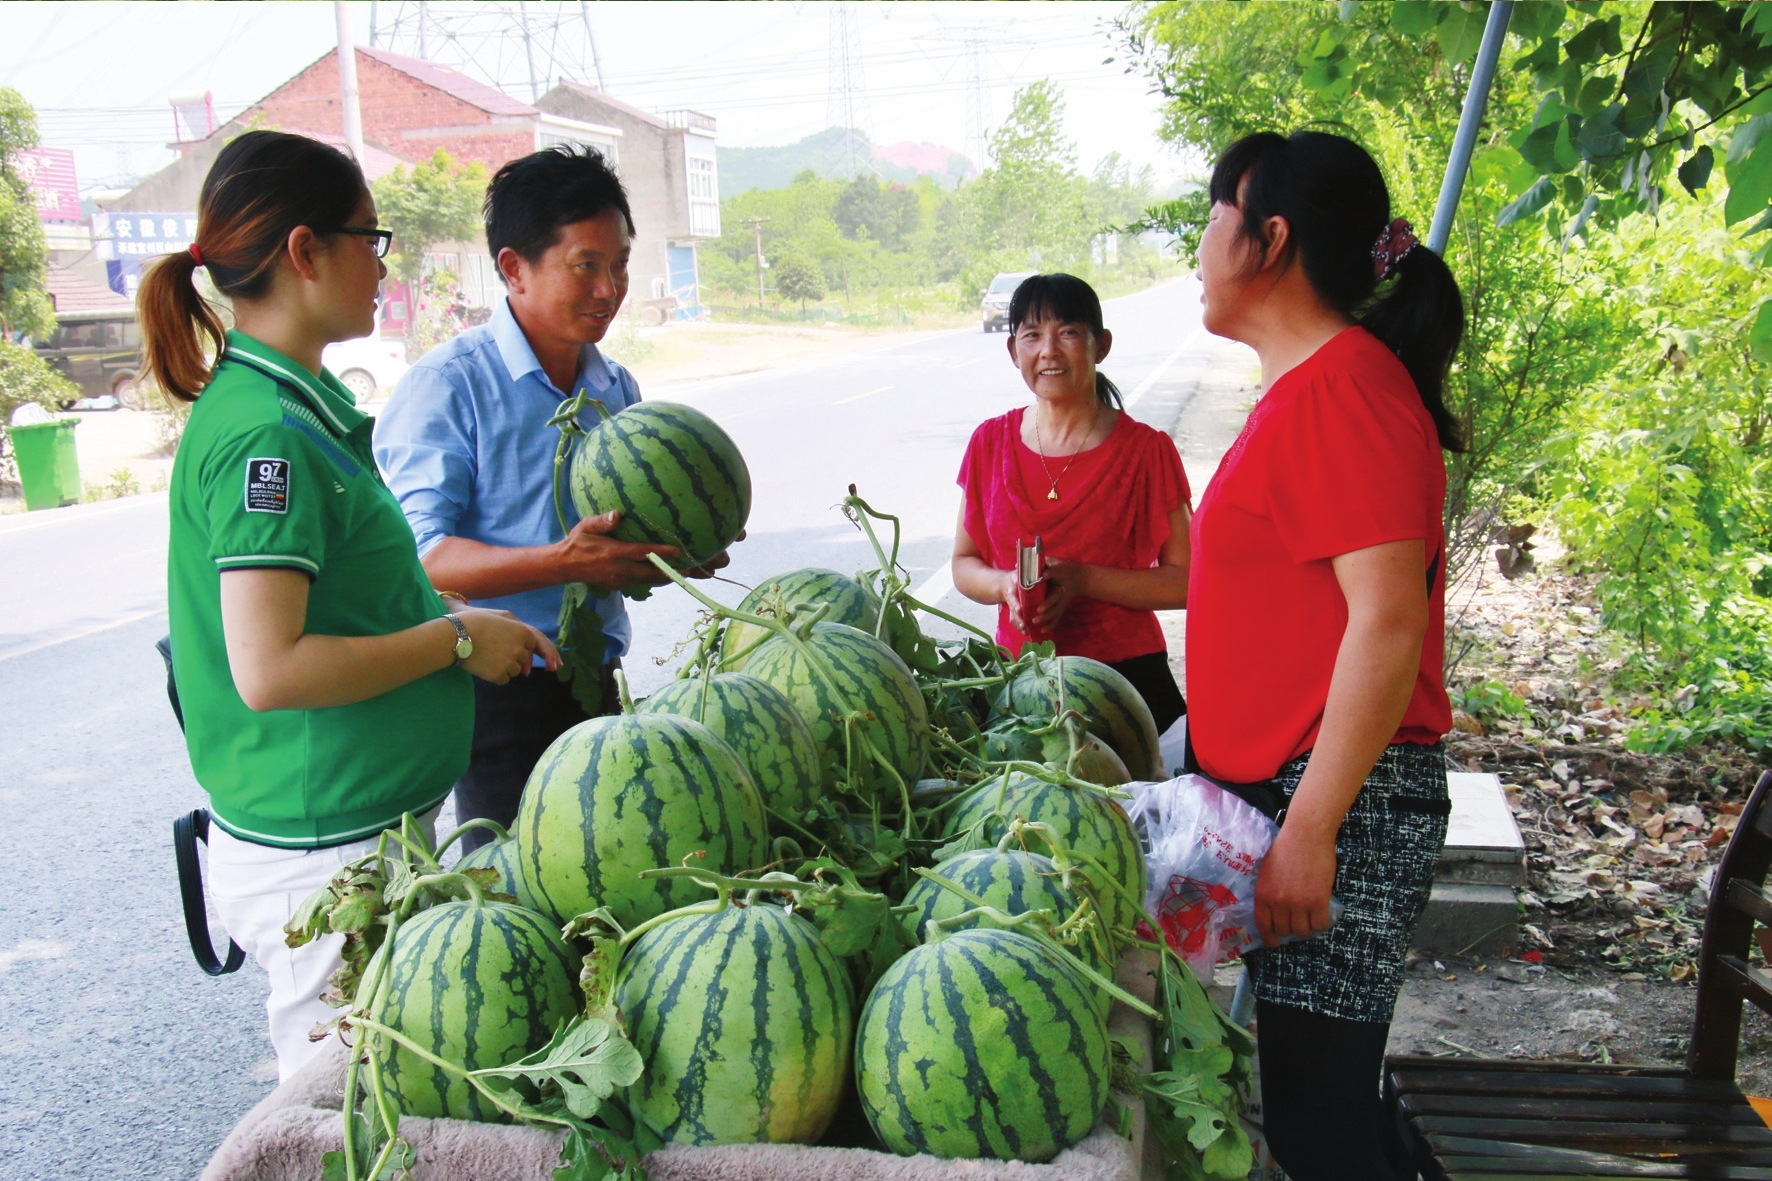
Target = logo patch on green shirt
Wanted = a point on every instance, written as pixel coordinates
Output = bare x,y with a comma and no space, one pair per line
267,485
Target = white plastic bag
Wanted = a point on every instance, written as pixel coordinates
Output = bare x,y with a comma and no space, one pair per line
1203,848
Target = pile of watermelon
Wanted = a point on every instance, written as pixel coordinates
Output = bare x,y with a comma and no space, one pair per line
835,865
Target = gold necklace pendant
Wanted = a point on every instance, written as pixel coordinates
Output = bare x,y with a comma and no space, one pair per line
1040,446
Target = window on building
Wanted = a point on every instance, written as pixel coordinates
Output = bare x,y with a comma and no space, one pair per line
701,179
547,139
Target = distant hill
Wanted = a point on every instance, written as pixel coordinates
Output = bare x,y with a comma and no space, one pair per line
827,153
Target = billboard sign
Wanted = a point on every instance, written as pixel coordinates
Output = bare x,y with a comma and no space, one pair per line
49,174
128,241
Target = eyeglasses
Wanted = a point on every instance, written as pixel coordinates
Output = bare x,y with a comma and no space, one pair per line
380,240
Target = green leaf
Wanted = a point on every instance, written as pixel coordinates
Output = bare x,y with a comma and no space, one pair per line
354,913
1505,165
1759,337
1599,139
1750,181
851,922
1598,40
1550,149
1460,31
587,1059
1542,192
1414,18
583,647
1229,1156
1535,22
1694,172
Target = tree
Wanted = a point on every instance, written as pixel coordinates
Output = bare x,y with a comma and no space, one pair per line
437,201
1544,326
25,309
797,278
1030,208
26,377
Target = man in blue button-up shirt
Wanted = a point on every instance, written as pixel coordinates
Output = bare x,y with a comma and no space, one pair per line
465,446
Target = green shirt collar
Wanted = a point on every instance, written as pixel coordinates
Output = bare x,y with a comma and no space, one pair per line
325,394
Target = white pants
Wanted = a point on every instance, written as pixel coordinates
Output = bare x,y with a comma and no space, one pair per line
256,889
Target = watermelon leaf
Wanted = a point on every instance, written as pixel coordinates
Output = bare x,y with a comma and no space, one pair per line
587,1059
583,647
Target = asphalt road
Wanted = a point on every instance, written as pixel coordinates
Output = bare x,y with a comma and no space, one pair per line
118,1057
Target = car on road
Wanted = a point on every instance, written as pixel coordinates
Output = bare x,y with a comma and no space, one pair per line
369,366
994,309
99,351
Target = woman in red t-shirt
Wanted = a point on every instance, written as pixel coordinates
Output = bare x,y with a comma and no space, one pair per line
1316,611
1105,495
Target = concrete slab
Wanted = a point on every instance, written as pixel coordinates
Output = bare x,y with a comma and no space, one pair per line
1467,919
1472,910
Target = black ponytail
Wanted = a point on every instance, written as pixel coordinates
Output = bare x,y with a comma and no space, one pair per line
1333,197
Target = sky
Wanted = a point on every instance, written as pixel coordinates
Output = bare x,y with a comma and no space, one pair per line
99,74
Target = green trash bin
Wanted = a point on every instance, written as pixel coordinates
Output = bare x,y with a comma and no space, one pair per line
47,465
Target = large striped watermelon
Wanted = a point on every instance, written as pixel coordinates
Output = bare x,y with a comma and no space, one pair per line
745,1021
1111,707
479,985
761,726
613,796
870,678
502,856
1096,760
775,597
984,1044
676,477
1088,824
1013,881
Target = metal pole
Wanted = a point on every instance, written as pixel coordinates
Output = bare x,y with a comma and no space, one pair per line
1475,100
584,12
347,80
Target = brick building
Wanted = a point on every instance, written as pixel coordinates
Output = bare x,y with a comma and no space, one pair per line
412,107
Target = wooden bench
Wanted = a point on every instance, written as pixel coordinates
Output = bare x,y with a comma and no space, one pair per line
1492,1119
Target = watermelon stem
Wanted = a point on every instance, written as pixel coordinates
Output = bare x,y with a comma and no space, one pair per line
1039,925
813,658
461,830
621,686
566,419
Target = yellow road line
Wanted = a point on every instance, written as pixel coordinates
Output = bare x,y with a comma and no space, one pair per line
81,635
859,397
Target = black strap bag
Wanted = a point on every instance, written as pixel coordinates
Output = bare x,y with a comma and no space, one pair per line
186,832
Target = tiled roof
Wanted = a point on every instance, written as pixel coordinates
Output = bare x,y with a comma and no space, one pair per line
75,293
451,82
615,103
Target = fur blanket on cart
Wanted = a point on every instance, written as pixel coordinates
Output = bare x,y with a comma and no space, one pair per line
284,1137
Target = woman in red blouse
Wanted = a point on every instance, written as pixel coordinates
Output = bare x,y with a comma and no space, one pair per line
1316,612
1106,496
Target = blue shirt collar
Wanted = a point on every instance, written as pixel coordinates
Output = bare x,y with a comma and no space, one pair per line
520,360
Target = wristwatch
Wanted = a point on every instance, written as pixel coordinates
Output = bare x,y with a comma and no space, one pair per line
464,647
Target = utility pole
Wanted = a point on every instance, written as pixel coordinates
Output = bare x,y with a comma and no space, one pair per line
423,47
844,80
347,81
756,224
975,41
584,11
528,50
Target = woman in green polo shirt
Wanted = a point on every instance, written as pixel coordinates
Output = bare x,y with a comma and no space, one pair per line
324,682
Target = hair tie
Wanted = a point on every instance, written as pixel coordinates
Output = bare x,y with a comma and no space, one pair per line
196,255
1394,243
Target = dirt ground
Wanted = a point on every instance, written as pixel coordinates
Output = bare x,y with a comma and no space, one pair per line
1620,847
